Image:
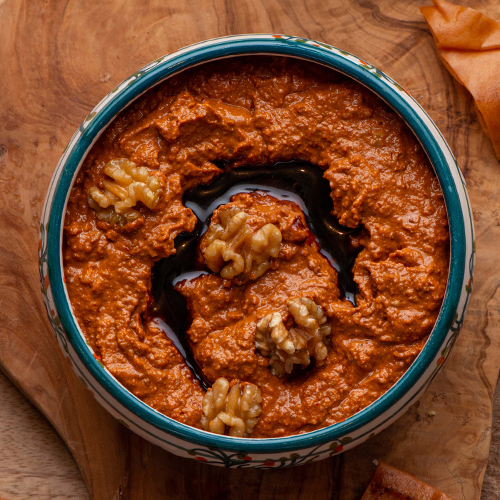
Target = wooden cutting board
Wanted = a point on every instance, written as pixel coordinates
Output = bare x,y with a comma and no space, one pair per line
57,60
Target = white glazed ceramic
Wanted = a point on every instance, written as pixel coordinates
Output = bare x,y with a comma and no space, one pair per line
227,451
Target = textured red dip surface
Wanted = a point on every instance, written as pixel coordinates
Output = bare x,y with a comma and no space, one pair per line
258,111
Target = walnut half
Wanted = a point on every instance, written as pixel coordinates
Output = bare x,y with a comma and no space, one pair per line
298,344
129,185
236,409
232,249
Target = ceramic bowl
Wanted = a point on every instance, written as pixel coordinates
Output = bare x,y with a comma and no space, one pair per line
227,451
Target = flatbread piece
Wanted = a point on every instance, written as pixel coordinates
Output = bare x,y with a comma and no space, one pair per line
389,483
468,43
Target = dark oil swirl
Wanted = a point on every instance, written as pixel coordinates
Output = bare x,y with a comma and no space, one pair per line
295,181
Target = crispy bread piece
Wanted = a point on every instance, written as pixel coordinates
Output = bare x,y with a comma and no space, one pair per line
468,43
389,483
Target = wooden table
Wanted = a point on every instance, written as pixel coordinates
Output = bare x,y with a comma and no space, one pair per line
58,59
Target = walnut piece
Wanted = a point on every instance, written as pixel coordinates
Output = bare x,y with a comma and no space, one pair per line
236,409
129,185
298,344
232,249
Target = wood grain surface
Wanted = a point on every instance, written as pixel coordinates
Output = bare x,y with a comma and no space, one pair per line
491,483
35,462
57,60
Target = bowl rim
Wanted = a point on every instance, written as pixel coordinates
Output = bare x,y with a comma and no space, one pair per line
265,44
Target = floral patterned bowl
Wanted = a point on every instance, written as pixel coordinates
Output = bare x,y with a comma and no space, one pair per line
224,450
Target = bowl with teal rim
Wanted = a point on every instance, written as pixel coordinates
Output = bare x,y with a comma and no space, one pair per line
227,451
